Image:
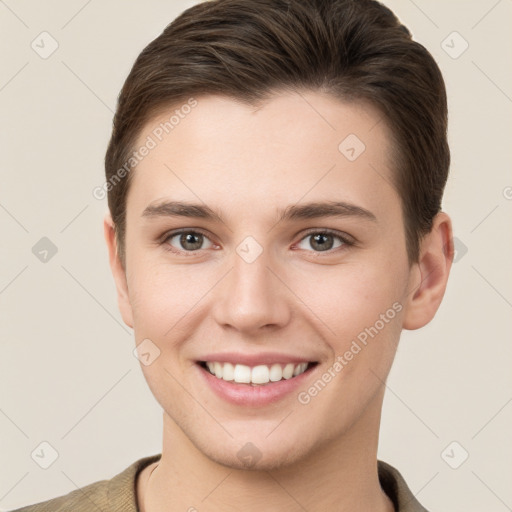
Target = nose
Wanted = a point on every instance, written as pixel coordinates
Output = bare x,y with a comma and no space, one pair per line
252,297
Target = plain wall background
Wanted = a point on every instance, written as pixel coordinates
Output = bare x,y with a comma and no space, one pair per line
67,372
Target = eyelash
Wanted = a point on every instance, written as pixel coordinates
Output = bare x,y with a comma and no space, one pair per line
345,239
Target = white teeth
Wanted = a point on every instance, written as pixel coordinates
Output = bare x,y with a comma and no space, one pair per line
242,373
300,368
228,371
276,373
218,370
261,374
288,371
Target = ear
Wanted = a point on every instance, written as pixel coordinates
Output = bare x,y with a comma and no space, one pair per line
118,271
429,276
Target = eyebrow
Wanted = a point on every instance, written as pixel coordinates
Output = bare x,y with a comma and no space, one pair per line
293,212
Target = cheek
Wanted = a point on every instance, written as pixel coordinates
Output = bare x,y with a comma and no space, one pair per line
346,298
156,305
349,299
164,297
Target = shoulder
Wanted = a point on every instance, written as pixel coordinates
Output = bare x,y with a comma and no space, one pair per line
118,493
85,498
395,486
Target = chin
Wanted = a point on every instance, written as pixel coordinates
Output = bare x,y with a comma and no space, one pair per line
261,454
252,458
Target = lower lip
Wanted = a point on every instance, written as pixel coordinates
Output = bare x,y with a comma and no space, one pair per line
253,396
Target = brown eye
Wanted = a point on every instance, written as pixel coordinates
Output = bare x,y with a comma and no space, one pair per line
188,241
321,241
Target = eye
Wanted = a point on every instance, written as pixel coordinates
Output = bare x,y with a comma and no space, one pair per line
187,241
324,240
190,241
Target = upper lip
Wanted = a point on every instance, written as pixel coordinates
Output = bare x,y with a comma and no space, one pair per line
254,359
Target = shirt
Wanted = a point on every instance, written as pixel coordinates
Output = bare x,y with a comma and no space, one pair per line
119,493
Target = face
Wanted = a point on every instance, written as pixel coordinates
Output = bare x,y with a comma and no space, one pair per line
263,242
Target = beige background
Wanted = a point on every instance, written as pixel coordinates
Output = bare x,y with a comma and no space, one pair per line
67,372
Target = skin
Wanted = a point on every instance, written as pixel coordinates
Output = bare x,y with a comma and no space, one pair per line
247,164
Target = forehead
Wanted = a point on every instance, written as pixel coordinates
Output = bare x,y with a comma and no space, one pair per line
291,146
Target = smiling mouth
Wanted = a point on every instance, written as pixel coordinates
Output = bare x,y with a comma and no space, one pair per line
259,375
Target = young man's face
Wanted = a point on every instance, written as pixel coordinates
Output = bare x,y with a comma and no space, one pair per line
252,288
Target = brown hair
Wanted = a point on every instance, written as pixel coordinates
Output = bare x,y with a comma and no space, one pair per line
247,49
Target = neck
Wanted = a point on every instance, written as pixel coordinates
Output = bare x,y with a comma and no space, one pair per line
339,475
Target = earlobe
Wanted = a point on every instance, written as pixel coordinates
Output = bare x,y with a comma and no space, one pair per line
118,272
429,276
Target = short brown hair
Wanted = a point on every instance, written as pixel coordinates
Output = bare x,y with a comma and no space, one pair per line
247,49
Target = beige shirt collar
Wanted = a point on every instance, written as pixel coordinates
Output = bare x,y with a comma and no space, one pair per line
122,487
